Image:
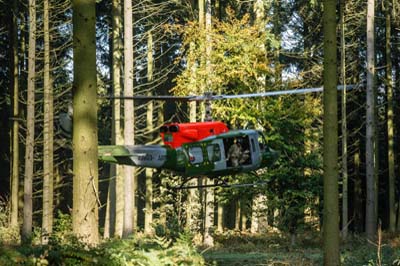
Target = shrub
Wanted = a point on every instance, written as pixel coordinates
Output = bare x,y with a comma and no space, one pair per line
138,250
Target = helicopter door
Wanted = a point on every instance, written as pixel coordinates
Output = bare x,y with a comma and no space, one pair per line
216,154
197,163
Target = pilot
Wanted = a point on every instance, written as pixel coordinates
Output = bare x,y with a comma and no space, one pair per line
235,153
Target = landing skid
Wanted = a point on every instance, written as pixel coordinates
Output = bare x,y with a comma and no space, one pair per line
219,183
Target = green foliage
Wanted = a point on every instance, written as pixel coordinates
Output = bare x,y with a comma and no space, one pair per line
133,251
357,252
242,61
62,227
264,249
7,234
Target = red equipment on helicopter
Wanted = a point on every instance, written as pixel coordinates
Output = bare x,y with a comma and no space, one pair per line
176,134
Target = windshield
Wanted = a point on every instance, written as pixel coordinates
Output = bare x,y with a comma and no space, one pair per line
261,140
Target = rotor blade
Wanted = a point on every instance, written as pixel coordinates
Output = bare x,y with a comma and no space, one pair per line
276,93
223,185
209,96
149,98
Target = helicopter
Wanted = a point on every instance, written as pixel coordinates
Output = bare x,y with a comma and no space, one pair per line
201,148
196,149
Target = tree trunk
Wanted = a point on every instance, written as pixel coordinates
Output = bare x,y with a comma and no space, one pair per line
357,193
220,217
243,219
48,134
115,199
237,214
390,130
129,129
208,239
345,198
148,219
255,213
370,218
30,125
85,168
15,131
330,129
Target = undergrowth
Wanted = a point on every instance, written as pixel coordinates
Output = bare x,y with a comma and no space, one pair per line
233,248
138,250
66,250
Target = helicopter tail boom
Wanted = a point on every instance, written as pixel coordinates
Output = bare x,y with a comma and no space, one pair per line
152,156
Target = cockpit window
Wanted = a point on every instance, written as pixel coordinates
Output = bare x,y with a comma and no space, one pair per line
214,152
195,155
261,140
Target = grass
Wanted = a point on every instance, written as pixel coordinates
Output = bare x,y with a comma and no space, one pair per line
312,257
275,249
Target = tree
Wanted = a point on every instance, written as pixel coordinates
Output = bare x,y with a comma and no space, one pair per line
48,134
115,204
390,130
148,219
208,239
129,126
345,201
370,145
15,130
85,169
30,125
330,129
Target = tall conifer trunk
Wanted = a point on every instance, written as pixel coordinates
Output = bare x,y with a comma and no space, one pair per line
208,194
85,141
129,127
48,134
345,201
148,219
30,124
390,130
370,145
330,128
15,130
115,200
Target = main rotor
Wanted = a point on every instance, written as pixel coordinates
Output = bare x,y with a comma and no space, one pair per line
208,96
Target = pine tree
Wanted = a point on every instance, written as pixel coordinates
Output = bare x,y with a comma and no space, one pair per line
331,204
15,131
129,125
48,133
30,126
370,146
85,168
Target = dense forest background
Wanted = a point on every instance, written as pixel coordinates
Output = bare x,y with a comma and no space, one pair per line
189,48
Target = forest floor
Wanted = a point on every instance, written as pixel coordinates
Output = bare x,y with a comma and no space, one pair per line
231,249
274,249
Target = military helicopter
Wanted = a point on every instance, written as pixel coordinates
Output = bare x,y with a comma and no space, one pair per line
201,148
